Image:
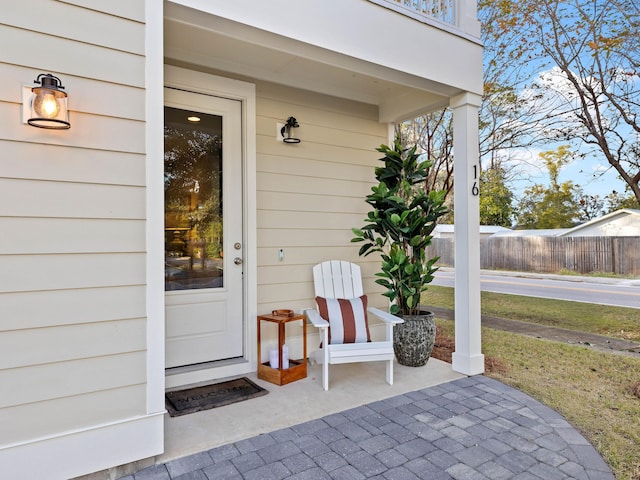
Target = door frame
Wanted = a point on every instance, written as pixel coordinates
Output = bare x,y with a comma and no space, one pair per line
199,82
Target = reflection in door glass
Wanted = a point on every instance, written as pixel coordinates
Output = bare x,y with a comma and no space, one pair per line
192,200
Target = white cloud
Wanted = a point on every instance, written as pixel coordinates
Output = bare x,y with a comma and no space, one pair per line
599,168
553,96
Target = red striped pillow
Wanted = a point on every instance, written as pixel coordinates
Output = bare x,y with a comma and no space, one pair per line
347,319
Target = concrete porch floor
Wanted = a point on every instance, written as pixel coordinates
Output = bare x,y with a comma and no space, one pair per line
350,385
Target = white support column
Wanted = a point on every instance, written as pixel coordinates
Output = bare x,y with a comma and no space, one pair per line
468,357
155,207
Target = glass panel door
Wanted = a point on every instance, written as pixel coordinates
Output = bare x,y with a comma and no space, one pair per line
193,200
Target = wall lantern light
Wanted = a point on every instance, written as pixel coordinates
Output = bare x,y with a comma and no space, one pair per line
45,106
286,132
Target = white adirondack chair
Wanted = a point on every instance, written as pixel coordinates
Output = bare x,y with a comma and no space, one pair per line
338,279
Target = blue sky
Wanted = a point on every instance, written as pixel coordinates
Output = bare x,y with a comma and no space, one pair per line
591,172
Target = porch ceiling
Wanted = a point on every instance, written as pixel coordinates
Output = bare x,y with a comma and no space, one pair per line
224,46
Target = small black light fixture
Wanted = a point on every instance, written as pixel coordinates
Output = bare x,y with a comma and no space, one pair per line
286,133
48,107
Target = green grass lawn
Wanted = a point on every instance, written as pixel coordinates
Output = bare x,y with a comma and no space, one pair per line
599,393
617,322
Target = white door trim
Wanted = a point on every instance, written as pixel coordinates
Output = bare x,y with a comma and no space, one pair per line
245,92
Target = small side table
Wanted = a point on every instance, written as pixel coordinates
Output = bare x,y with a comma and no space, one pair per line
297,368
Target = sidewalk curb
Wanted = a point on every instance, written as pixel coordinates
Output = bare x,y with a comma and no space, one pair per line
571,337
632,282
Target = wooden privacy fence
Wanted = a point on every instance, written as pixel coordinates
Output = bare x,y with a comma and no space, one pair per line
619,255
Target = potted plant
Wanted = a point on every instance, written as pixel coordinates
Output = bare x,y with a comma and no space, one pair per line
399,226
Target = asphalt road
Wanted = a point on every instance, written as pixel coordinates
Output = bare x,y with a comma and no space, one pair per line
603,291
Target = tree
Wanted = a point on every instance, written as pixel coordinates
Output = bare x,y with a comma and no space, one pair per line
589,94
554,206
509,120
432,134
590,206
496,199
616,201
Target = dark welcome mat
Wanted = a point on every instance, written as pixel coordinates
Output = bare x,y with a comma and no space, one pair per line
181,402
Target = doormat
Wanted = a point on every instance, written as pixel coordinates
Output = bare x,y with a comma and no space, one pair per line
191,400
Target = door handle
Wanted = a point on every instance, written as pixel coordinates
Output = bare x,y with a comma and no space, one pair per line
237,261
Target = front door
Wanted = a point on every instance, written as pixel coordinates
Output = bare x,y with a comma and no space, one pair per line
203,228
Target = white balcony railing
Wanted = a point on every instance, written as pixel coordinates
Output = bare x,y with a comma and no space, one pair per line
441,10
455,16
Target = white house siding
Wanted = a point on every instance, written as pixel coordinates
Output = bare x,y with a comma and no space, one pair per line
310,195
72,248
623,223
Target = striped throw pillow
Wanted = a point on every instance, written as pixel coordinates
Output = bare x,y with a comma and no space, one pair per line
347,319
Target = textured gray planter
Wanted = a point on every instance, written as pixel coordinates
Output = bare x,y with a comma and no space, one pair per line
413,340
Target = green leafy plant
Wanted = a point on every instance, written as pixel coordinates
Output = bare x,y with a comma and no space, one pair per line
400,225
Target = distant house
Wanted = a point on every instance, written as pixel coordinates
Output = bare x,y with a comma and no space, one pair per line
447,231
621,223
540,232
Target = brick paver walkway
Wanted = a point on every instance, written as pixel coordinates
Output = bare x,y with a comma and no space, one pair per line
474,428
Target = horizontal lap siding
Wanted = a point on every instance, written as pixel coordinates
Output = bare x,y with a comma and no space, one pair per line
81,165
72,217
48,308
53,415
23,273
71,235
310,195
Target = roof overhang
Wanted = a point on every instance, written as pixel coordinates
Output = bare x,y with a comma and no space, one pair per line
221,45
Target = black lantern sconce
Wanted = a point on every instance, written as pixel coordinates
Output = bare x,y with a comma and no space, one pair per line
46,105
286,132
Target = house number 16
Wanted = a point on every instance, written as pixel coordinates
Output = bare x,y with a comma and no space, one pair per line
475,191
